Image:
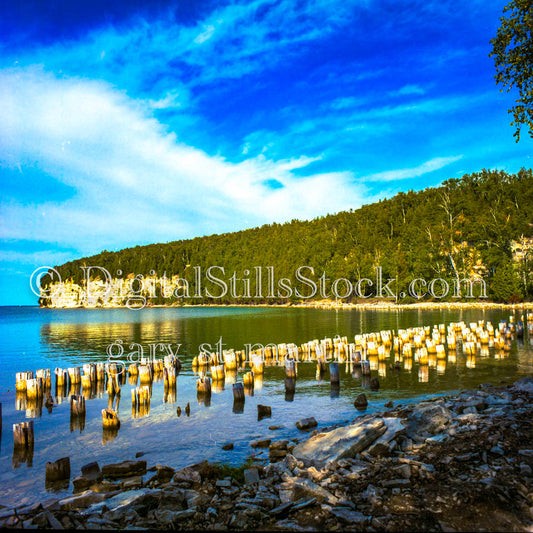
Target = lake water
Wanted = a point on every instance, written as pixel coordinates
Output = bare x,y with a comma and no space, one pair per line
42,338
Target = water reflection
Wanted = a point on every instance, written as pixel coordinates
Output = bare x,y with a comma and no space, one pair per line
405,368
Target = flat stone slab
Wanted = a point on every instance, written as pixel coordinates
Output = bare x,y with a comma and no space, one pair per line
341,442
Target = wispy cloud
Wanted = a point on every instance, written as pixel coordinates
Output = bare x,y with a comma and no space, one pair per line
134,181
415,172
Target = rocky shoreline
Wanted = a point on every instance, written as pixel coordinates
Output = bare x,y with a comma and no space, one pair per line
460,462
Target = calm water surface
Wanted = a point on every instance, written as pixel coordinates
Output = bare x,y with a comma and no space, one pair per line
42,338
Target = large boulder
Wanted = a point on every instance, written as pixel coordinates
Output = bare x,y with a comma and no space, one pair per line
341,442
428,418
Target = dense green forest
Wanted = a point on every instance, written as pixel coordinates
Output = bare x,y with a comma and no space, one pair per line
480,224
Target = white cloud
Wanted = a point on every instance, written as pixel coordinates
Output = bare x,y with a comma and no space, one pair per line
407,173
407,90
134,181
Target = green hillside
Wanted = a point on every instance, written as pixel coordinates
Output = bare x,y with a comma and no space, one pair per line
481,224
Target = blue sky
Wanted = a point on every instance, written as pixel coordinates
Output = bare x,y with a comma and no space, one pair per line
122,124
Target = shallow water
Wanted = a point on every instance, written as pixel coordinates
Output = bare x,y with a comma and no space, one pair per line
42,338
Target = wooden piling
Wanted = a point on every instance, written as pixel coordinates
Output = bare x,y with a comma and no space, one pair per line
23,443
217,372
57,471
334,373
23,435
170,376
46,376
61,377
145,373
238,392
21,380
248,379
290,368
263,411
86,381
77,405
34,388
100,371
258,364
74,374
110,419
203,385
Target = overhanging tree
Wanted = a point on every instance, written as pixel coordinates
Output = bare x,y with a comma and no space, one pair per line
512,49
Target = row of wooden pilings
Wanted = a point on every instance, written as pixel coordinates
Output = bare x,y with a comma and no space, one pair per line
429,347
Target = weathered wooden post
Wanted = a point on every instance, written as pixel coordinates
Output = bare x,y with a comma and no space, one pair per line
170,376
77,412
230,360
217,372
248,379
110,419
170,393
203,385
290,388
100,371
290,368
258,364
21,380
34,388
145,373
334,372
74,374
57,473
46,376
86,381
263,411
61,378
23,442
203,389
111,425
238,398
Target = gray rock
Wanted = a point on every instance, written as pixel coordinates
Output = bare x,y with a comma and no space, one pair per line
306,423
53,522
83,500
251,475
260,443
300,488
524,384
341,442
279,445
428,418
282,509
123,501
361,402
124,469
187,474
395,483
84,482
381,446
348,516
90,469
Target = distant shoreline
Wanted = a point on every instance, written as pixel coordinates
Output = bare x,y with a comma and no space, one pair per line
323,304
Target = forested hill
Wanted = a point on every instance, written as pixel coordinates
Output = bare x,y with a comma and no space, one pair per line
479,224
